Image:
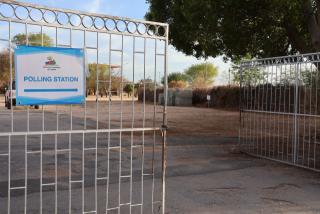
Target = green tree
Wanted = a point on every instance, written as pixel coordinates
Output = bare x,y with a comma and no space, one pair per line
103,71
177,76
176,80
4,70
19,39
34,39
201,75
234,28
128,88
249,77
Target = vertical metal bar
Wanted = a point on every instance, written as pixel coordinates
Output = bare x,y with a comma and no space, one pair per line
9,175
132,122
41,140
270,110
55,152
285,95
143,124
262,108
97,126
310,112
296,113
252,115
109,125
247,114
279,124
290,117
277,117
85,126
154,123
240,141
85,103
82,179
70,165
303,90
25,173
255,115
299,110
26,144
266,109
41,168
69,145
11,75
258,97
11,105
120,134
56,166
255,103
164,132
263,141
315,119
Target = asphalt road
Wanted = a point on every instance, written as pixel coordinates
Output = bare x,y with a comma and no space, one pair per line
74,157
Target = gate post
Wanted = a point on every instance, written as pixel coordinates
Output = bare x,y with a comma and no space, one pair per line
165,125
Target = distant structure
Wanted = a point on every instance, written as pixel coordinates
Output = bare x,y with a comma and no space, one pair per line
177,97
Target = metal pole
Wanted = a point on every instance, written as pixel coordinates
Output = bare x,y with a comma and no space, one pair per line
296,104
240,110
164,126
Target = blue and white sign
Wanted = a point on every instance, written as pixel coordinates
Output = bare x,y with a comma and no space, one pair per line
49,76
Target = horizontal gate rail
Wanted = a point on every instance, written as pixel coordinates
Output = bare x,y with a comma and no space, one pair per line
87,131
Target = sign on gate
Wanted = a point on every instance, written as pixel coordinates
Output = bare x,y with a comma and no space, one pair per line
47,75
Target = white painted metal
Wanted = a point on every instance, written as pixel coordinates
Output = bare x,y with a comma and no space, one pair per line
279,109
82,193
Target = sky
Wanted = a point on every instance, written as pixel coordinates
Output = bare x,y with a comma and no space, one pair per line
136,9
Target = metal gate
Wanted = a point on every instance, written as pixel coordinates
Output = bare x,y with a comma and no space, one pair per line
279,109
106,156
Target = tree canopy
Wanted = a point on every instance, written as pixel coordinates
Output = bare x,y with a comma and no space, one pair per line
233,28
177,80
177,76
34,39
201,75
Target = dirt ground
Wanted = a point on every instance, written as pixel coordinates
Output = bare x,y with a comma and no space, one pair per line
206,173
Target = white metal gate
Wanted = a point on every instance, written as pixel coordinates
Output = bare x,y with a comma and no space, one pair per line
280,110
106,156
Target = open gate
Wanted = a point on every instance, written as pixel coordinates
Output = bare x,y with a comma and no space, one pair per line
106,156
280,109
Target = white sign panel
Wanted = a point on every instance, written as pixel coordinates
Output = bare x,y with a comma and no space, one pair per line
49,76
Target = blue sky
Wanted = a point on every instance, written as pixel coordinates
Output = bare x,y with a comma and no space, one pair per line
178,61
